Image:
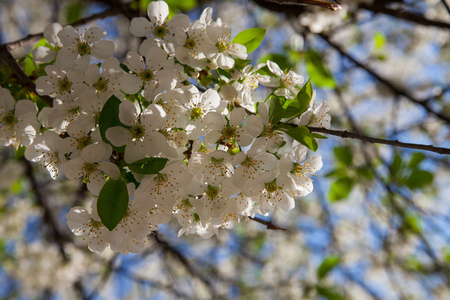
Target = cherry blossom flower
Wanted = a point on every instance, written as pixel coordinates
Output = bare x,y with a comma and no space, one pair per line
91,166
18,124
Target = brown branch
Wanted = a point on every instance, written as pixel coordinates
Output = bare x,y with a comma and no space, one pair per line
114,10
324,4
396,143
7,59
270,225
397,90
404,15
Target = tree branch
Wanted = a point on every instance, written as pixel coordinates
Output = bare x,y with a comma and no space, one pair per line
404,15
6,58
324,4
114,10
396,143
397,90
270,225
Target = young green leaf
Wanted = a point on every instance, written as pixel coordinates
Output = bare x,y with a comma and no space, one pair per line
340,189
112,203
327,265
343,154
109,117
150,165
250,38
300,103
320,75
303,136
276,110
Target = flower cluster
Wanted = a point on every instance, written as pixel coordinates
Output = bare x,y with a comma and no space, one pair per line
173,132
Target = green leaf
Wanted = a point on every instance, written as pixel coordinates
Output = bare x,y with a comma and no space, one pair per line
303,136
279,59
276,110
150,165
340,189
112,203
320,75
396,165
329,293
343,154
418,179
74,11
416,159
327,265
379,40
250,38
300,103
412,222
241,63
109,117
319,136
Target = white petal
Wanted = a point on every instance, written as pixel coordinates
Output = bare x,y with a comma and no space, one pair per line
274,68
158,12
109,169
103,49
140,27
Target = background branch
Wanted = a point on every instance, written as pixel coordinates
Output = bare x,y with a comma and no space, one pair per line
396,143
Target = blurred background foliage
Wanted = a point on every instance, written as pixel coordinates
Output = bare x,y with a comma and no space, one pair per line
377,224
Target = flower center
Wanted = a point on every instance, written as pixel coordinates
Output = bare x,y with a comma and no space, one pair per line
101,85
196,113
190,43
272,187
90,168
64,85
297,169
229,132
160,31
212,191
83,142
137,131
147,75
83,48
9,119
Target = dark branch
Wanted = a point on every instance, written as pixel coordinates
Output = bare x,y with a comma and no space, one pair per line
404,15
397,90
114,10
270,225
324,4
358,136
7,59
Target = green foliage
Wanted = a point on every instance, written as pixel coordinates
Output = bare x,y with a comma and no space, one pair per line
303,136
250,38
74,11
340,189
112,203
329,293
300,103
379,40
150,165
276,110
410,174
109,117
327,265
281,60
343,154
319,74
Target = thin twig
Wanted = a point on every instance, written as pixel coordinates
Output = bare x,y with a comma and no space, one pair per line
6,58
396,143
270,225
324,4
404,15
397,90
446,5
